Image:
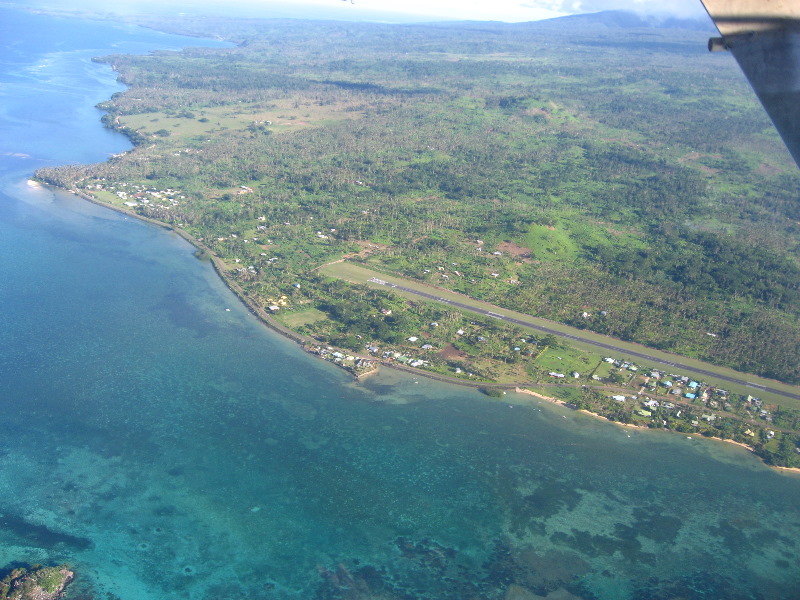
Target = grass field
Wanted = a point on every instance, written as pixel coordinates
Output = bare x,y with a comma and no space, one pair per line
549,243
280,116
300,318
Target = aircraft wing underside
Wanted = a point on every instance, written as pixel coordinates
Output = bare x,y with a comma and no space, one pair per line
764,37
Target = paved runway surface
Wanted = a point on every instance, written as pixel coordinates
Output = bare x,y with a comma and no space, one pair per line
577,338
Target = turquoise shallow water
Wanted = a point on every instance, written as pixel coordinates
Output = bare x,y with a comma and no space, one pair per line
168,446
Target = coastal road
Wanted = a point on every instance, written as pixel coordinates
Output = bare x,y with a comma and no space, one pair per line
605,346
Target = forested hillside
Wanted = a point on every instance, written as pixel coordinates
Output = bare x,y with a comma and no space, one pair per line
618,179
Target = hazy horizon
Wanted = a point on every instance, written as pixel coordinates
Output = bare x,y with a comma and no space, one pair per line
398,11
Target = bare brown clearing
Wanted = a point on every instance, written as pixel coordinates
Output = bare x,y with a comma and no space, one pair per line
514,250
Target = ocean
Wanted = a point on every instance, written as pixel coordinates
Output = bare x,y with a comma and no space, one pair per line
166,445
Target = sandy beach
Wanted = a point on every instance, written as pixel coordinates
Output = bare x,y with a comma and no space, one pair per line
631,425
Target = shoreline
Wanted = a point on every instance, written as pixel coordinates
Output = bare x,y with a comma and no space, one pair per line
633,426
304,342
265,318
234,287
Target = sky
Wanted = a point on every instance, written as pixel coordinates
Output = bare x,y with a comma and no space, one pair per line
382,10
517,10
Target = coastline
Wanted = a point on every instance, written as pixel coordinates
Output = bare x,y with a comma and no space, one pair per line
633,426
237,454
264,317
306,343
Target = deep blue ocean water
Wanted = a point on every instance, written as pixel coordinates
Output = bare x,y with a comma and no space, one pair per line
166,445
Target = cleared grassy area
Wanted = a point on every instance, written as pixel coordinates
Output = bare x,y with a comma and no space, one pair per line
567,361
358,274
301,317
108,198
550,243
281,116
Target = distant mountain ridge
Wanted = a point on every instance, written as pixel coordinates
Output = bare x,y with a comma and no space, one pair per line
597,21
627,20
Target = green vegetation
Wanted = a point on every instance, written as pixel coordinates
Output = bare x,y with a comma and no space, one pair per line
662,401
580,177
36,583
301,318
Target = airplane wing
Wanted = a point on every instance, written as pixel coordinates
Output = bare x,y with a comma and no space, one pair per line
764,37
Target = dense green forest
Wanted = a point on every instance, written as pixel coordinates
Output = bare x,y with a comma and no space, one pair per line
618,179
